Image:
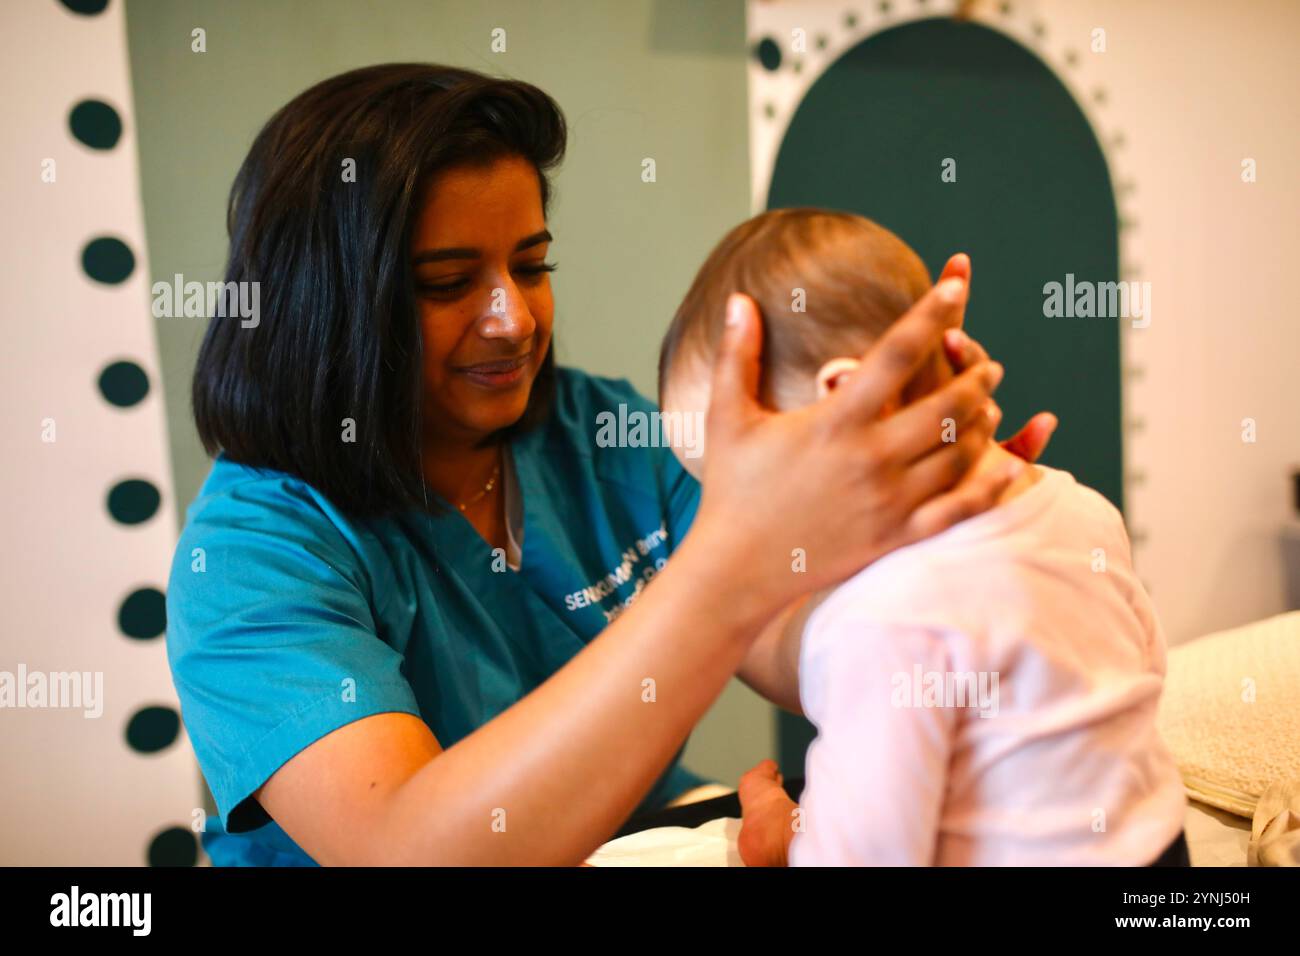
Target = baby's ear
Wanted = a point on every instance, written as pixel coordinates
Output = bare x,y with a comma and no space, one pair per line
828,376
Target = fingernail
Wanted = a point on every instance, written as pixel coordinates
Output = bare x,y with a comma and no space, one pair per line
949,291
956,339
998,372
993,412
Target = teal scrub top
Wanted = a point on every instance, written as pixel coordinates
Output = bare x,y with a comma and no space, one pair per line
287,619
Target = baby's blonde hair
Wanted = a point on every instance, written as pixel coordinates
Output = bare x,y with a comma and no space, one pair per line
852,276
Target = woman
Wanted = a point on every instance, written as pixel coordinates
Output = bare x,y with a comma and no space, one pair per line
418,614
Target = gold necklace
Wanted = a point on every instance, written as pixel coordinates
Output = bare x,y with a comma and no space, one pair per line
491,483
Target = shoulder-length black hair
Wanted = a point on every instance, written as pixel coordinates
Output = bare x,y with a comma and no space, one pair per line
338,335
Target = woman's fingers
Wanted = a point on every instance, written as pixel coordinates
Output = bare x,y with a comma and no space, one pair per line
957,267
892,360
1029,442
945,415
962,351
946,466
975,495
736,372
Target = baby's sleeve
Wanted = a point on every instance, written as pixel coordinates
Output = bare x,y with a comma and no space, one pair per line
877,772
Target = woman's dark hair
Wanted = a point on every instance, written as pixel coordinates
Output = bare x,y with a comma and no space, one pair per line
338,335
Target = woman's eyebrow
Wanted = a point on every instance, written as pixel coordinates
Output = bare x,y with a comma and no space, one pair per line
535,239
462,252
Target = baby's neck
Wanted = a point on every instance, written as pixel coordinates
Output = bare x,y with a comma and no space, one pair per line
995,456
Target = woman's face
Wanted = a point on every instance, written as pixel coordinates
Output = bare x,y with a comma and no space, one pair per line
478,256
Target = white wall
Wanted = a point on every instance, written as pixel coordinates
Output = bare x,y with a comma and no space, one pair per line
71,790
1196,88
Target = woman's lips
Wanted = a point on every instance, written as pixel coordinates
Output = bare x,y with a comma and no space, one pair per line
502,373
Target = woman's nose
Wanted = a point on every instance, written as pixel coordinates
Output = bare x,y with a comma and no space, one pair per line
507,315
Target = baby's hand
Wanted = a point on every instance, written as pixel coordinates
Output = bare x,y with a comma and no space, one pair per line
767,812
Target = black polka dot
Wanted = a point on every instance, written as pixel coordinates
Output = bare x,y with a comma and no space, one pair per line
133,501
123,384
175,846
96,124
107,260
143,615
153,728
768,53
86,7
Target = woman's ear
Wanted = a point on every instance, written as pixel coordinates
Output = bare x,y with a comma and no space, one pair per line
828,375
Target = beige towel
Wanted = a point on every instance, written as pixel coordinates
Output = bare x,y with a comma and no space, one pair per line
1230,712
1275,834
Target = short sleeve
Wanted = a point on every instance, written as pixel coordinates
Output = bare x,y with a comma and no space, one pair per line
271,638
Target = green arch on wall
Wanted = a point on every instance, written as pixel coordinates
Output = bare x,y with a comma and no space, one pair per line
1032,201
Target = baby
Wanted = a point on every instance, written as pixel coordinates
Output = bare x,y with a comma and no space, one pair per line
983,697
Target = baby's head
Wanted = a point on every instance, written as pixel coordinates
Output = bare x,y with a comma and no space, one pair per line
827,283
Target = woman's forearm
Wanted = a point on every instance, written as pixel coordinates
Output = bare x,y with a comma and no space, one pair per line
555,775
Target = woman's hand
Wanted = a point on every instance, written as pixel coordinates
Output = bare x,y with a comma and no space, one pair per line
799,500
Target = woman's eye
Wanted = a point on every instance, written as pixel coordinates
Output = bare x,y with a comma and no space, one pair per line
451,287
536,270
443,288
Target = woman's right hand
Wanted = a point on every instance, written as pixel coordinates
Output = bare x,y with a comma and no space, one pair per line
800,500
